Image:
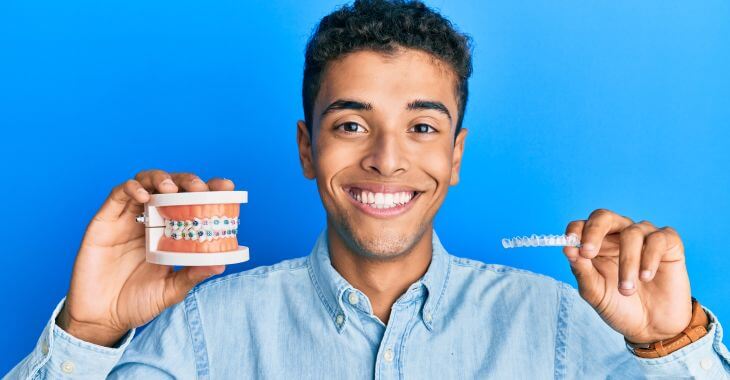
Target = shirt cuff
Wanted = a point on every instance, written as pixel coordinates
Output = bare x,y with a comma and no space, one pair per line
61,355
704,358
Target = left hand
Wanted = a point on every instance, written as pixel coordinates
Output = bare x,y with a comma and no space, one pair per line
633,274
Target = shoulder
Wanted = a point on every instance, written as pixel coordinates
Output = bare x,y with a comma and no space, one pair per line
510,283
476,268
289,272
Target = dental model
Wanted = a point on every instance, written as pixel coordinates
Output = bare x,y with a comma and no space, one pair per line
191,229
542,241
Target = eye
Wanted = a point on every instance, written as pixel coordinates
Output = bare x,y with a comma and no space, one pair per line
424,128
351,127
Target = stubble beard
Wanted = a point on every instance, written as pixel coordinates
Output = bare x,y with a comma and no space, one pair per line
383,245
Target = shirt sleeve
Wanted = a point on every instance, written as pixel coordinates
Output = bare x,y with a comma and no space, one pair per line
59,355
591,348
161,350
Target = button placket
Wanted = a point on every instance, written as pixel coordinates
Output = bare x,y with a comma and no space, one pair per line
388,355
339,319
706,363
353,298
67,367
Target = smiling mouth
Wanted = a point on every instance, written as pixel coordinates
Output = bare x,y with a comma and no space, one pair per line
385,200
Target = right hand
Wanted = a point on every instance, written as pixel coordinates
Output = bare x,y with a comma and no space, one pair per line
113,288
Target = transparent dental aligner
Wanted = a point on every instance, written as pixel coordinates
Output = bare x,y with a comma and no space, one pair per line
202,230
541,241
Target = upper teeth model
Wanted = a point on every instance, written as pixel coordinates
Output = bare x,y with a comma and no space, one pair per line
381,200
201,229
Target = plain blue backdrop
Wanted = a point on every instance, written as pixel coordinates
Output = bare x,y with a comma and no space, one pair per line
574,106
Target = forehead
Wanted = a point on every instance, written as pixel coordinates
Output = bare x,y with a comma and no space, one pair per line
393,79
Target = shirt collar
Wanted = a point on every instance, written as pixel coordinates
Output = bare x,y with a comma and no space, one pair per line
331,286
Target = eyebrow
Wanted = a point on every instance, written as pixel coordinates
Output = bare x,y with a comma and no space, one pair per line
419,104
347,104
429,105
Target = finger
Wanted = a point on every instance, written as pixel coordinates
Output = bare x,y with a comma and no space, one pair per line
600,223
114,204
189,182
158,181
179,283
629,259
136,191
663,244
220,184
574,228
591,283
138,196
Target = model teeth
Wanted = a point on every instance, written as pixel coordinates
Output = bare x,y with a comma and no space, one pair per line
381,200
202,230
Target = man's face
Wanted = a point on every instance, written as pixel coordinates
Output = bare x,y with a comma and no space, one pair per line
382,147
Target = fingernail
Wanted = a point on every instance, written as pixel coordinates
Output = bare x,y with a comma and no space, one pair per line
646,274
626,285
197,180
167,182
141,191
588,247
572,259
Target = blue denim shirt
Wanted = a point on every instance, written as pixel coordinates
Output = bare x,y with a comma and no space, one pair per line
300,319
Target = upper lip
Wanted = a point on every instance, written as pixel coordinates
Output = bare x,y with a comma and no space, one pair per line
380,187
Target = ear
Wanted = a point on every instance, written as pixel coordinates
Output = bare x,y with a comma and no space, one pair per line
305,150
456,158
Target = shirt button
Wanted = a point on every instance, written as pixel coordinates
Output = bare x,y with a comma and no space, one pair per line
44,347
353,298
706,363
67,367
427,316
388,355
339,319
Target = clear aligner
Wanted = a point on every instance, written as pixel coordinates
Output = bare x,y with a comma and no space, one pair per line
542,241
206,229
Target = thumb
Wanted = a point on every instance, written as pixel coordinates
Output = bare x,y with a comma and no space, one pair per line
590,281
178,284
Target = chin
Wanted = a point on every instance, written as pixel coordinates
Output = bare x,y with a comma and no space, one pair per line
381,243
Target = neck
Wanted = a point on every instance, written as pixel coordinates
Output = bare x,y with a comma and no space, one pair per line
382,280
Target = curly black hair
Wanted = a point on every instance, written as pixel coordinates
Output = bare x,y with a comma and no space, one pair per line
385,26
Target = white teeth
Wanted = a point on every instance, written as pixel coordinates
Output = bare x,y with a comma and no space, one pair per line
379,198
382,200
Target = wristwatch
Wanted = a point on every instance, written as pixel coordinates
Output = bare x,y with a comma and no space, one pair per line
698,326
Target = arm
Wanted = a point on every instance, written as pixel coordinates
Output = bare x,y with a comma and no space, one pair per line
58,354
594,350
162,350
635,278
113,288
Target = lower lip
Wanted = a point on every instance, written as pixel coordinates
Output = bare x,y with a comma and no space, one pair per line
383,212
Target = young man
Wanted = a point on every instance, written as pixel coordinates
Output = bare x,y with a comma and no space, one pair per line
384,93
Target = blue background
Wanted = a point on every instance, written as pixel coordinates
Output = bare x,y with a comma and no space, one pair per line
574,106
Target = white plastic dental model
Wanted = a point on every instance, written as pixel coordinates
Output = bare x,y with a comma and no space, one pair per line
542,241
194,229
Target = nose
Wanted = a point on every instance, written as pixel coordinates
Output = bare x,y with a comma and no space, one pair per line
386,156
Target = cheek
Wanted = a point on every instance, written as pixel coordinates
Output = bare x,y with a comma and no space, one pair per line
331,158
437,163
